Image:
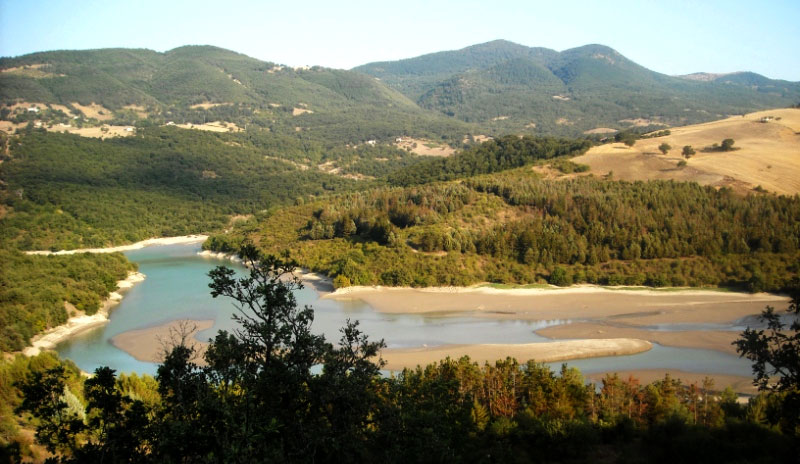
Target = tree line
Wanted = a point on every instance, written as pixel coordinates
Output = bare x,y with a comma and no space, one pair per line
514,227
495,155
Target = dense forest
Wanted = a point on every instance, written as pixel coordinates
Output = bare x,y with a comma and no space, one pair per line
259,398
37,291
517,227
66,191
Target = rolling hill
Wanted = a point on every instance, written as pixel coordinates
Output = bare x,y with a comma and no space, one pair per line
507,87
766,154
196,84
488,89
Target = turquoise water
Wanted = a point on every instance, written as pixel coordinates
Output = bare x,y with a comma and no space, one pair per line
176,287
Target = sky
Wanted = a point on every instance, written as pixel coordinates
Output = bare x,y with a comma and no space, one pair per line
671,37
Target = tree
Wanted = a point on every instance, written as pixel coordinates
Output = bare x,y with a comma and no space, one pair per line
665,148
263,377
682,163
774,351
727,145
688,151
44,396
626,137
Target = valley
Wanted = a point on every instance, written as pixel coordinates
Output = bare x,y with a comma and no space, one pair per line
499,216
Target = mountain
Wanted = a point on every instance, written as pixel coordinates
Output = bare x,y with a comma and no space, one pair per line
494,89
507,87
201,83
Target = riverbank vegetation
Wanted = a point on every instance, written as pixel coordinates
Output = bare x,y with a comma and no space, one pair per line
41,292
257,400
64,191
517,227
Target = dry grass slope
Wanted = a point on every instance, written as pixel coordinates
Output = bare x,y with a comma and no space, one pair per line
768,154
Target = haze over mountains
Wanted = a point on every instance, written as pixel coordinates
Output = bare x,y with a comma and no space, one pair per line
492,88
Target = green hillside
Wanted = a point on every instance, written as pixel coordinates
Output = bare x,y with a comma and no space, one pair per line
492,88
65,191
321,103
505,87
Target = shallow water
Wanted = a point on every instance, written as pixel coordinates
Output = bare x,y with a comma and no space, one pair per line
176,287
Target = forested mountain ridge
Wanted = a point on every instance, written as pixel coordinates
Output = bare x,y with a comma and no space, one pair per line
508,87
195,84
491,89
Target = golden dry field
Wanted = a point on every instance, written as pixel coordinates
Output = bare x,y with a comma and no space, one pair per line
766,154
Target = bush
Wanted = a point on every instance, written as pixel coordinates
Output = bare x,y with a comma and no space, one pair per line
341,281
561,277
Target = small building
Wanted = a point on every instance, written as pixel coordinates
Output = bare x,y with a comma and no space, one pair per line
372,142
33,109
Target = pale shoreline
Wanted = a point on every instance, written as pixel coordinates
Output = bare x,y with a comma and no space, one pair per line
77,324
599,314
148,344
184,239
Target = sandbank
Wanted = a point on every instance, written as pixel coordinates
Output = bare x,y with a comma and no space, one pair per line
399,358
636,307
134,246
81,322
149,344
718,340
739,384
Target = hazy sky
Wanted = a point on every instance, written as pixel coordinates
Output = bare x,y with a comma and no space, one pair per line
672,37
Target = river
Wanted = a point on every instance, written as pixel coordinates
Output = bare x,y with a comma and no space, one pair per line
176,287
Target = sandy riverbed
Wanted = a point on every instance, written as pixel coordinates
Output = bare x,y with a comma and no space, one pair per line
632,307
718,340
82,322
595,312
149,344
399,358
